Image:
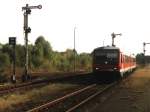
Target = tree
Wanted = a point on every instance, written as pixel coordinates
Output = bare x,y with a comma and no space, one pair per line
8,50
140,58
4,60
85,61
20,55
45,45
42,52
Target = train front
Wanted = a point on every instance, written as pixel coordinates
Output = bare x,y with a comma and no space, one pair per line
106,61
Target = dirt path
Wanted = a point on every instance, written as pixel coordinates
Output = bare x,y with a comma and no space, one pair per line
132,95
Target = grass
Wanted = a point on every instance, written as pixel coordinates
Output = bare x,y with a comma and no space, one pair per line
9,102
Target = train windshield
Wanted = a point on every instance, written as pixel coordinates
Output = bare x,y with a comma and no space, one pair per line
106,57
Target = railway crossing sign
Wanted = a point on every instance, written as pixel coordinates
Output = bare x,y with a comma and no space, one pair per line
12,40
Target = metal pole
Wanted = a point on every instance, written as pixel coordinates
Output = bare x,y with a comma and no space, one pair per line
12,42
113,36
113,41
144,48
26,31
26,43
27,10
74,51
144,44
14,65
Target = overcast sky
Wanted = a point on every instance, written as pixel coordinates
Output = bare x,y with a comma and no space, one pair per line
94,20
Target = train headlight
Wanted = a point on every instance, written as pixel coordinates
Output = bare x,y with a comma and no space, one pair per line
97,68
115,68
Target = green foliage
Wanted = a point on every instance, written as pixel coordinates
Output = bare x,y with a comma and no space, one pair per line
41,51
3,76
44,46
42,57
37,56
140,58
85,60
20,55
7,49
4,60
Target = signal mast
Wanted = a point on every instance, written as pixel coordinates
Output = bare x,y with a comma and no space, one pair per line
27,11
144,44
113,36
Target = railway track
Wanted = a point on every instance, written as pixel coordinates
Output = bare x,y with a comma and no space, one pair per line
17,87
12,88
72,101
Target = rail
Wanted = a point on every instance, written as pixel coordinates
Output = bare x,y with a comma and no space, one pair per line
78,92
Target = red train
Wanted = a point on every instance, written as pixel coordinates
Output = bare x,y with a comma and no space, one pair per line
111,60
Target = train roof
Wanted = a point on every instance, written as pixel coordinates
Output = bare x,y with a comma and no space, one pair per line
107,47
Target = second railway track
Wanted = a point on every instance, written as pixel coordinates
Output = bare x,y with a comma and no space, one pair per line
72,101
17,87
35,83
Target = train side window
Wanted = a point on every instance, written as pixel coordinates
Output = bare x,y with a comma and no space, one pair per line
121,58
125,60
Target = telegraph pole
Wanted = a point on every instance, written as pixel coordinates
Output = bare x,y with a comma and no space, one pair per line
27,11
113,36
74,49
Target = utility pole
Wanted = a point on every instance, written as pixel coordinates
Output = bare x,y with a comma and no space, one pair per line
144,44
113,36
27,11
74,49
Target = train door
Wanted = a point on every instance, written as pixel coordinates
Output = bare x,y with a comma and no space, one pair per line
122,65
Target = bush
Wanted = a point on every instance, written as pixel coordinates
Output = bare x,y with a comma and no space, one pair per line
4,60
3,77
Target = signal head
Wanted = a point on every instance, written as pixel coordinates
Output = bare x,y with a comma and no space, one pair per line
39,6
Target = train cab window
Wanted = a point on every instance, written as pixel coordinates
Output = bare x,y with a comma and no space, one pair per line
109,56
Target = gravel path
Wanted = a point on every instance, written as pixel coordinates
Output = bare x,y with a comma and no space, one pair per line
132,95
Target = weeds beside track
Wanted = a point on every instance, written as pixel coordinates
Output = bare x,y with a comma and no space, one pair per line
79,97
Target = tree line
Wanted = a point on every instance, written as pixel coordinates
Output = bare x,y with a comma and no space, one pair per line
43,58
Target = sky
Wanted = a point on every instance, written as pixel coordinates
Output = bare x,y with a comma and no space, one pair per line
94,21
